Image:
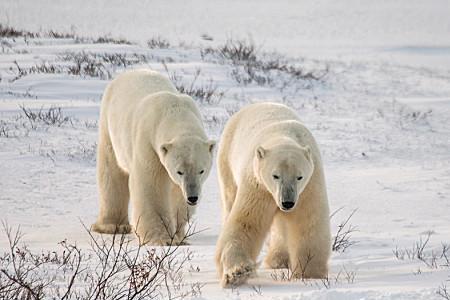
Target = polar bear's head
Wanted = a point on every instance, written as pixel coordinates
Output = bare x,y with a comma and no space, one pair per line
285,171
188,161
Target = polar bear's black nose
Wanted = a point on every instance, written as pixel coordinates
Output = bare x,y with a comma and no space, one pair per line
192,199
287,205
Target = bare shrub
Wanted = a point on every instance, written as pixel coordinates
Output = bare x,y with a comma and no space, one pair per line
4,129
342,239
289,275
343,276
91,124
112,269
257,289
282,275
158,43
10,32
111,40
83,64
246,74
236,51
434,258
250,66
61,35
98,64
14,126
86,64
26,94
444,292
348,275
83,151
52,116
404,117
206,93
43,67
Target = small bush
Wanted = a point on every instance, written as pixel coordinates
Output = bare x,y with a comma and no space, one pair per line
249,66
43,67
237,51
61,35
52,116
98,64
10,32
206,93
110,40
84,152
86,64
342,239
434,259
444,292
158,43
4,129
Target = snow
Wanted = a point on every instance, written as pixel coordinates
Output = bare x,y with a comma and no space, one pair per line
381,116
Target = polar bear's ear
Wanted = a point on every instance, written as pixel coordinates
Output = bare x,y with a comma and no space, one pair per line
260,152
211,145
165,148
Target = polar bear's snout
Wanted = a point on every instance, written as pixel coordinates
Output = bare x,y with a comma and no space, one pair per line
288,197
192,200
191,192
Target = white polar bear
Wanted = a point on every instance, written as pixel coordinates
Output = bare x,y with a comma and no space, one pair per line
271,179
153,151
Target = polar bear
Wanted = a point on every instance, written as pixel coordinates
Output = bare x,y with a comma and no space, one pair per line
153,152
271,180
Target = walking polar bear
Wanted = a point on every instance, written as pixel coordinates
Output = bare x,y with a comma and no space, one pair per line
271,179
153,151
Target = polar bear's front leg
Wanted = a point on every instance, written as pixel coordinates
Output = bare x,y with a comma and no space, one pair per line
277,256
149,194
309,258
182,214
242,236
309,240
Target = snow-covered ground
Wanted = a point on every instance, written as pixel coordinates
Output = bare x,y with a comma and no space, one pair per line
380,113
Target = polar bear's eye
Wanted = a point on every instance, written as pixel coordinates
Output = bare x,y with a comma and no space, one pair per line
202,171
180,173
276,177
299,178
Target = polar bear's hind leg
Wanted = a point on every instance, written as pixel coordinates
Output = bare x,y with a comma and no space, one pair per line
113,191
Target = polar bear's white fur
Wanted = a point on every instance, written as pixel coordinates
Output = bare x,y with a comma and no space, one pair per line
152,151
271,180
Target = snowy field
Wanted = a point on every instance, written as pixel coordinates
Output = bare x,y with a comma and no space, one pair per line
371,79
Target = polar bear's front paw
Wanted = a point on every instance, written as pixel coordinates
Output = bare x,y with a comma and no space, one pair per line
237,275
111,228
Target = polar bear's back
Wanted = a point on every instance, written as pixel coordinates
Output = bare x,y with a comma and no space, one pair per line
244,126
133,86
